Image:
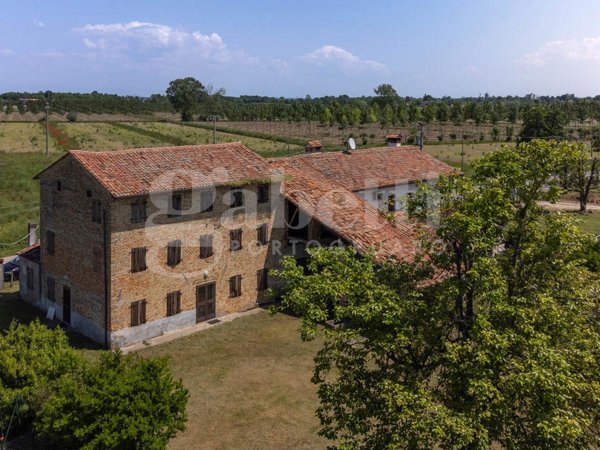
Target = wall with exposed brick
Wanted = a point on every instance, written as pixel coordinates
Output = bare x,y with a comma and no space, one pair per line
67,211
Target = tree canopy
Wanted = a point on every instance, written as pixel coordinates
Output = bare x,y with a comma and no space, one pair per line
185,94
491,335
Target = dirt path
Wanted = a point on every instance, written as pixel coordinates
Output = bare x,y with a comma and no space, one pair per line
567,206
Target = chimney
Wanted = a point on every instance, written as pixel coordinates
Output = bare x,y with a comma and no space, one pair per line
393,140
32,233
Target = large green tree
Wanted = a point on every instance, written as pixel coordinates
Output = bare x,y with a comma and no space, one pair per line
118,402
186,94
491,335
542,123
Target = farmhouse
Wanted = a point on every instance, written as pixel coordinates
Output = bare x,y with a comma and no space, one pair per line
136,243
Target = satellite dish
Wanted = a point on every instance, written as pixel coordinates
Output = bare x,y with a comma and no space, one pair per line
351,144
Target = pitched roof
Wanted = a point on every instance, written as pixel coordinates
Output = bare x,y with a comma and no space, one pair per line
141,171
371,168
32,253
314,143
346,214
393,136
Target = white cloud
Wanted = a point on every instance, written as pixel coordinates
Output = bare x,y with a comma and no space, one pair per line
342,57
157,38
38,23
6,52
587,49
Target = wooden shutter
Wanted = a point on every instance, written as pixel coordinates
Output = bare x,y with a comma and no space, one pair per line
235,286
263,193
262,234
50,242
262,279
143,311
174,253
50,289
97,260
96,211
206,246
138,211
173,303
235,240
135,314
138,259
206,200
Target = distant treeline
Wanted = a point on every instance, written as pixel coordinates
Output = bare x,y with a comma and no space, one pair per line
386,108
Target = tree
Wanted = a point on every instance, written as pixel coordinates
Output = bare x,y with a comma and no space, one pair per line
582,173
386,95
489,336
31,357
541,123
185,95
595,139
118,402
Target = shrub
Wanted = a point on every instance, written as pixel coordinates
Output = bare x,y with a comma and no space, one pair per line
72,117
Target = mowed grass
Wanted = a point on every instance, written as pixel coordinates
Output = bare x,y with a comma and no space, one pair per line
249,380
249,383
23,137
104,136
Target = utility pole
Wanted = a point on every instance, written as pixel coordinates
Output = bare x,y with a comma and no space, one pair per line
462,155
47,95
420,124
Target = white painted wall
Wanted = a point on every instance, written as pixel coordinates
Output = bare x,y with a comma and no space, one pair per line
400,190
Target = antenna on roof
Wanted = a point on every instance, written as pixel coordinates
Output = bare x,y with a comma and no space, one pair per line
350,145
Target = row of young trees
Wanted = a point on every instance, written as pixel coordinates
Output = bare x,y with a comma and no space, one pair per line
502,349
71,402
385,106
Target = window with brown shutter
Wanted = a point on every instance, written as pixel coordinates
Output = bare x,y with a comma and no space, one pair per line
138,313
237,198
235,286
138,259
30,280
97,259
263,193
50,289
262,279
206,200
96,211
262,234
175,205
173,303
392,202
138,211
50,242
235,242
206,246
174,253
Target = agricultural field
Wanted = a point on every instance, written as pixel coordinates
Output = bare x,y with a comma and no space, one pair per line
23,137
453,153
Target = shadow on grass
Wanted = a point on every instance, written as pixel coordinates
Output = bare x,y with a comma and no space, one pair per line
13,308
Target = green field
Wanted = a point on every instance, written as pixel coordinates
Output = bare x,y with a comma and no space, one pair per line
249,380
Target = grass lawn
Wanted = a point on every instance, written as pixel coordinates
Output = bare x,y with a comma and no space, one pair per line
589,222
249,383
23,137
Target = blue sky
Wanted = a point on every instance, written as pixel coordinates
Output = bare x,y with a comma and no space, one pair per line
278,48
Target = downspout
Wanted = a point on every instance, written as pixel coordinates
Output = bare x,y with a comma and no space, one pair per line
105,257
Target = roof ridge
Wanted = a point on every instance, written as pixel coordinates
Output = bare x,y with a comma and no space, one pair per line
149,149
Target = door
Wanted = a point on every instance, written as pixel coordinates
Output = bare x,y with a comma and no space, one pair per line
67,305
205,302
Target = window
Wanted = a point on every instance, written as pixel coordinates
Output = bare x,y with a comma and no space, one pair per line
237,198
235,242
138,313
50,242
30,279
262,234
138,211
173,303
262,279
97,260
206,200
50,289
88,193
96,211
392,202
263,193
138,259
378,195
175,205
206,246
235,286
58,186
174,253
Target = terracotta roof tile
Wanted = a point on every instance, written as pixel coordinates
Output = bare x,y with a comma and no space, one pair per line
141,171
315,143
371,168
32,253
346,214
